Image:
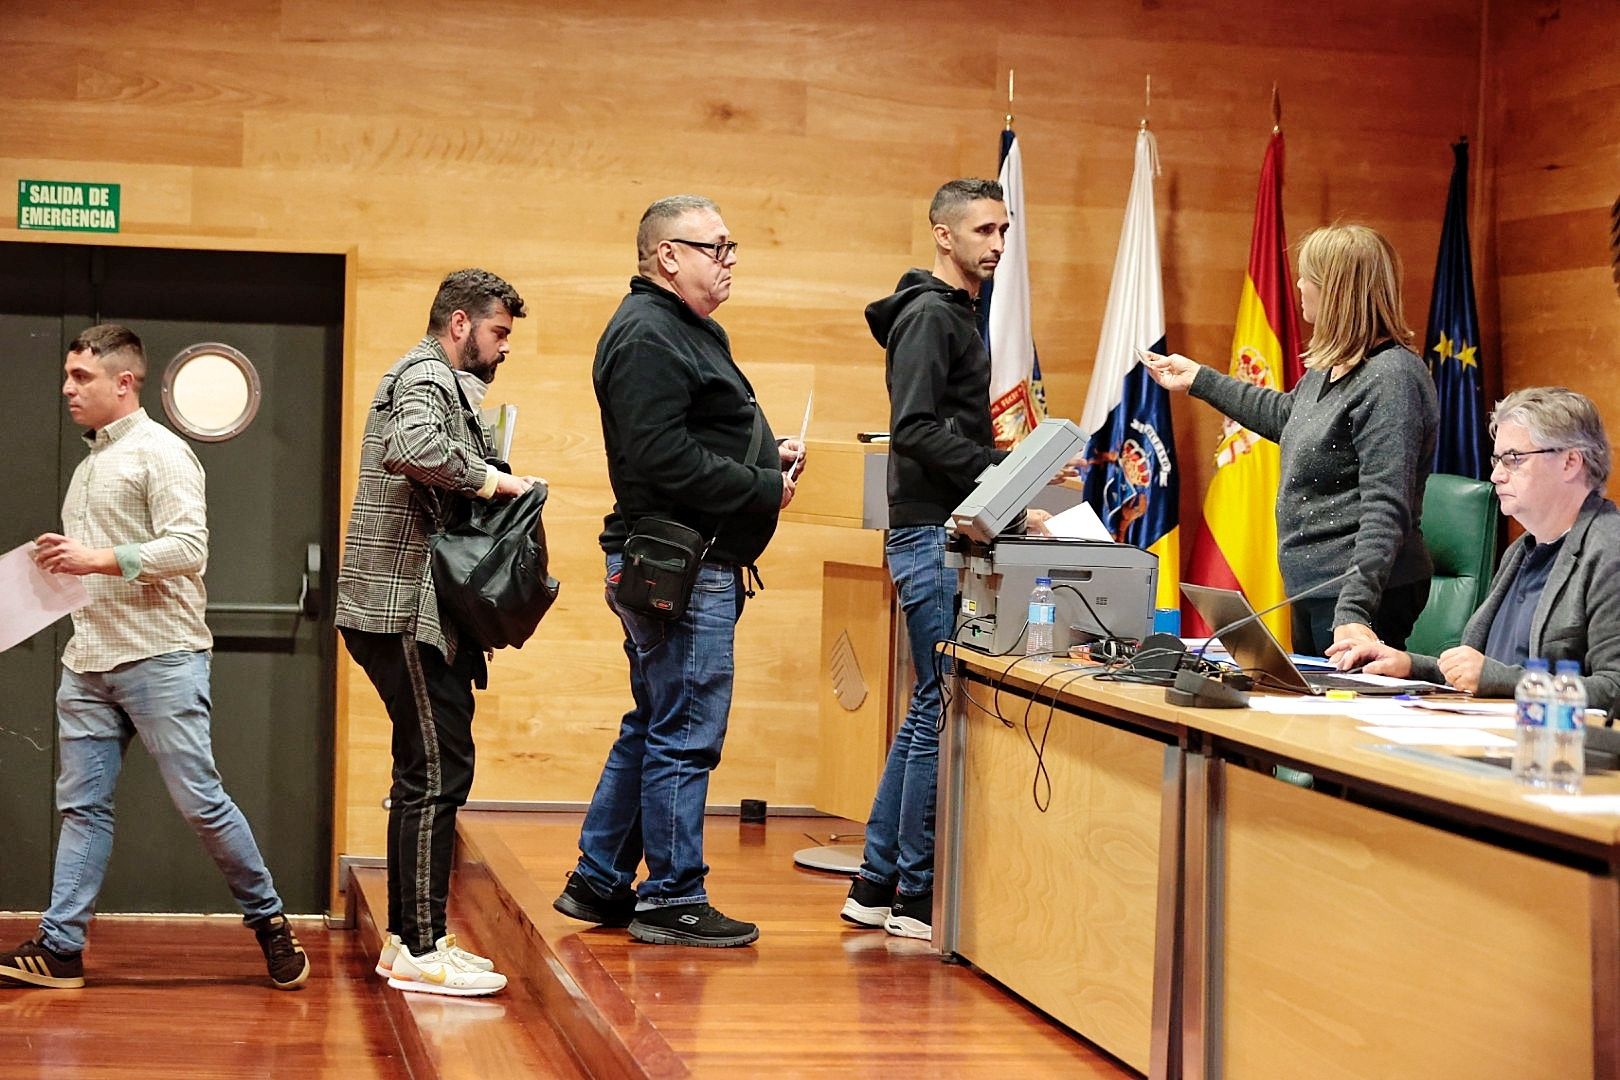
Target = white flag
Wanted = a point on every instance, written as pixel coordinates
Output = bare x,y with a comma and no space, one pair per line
1134,318
1012,338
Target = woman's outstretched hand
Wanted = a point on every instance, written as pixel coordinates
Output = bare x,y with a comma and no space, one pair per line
1173,372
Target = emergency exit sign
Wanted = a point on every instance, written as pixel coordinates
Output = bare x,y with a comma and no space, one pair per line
67,206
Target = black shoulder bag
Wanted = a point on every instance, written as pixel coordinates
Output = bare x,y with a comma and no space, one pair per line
490,570
662,558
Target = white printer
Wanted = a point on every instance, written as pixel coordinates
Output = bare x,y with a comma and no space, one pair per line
1102,589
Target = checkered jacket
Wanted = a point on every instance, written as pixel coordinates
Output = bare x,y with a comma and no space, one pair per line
420,446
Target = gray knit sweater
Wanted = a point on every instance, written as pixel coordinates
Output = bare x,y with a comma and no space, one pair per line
1355,458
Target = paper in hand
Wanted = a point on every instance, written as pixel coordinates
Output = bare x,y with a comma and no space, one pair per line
804,428
32,599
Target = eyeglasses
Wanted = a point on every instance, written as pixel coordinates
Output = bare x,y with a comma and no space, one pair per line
720,252
1512,459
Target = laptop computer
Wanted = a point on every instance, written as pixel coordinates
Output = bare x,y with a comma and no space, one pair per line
1255,650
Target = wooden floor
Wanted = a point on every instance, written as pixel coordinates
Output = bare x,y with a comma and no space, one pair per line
814,996
189,997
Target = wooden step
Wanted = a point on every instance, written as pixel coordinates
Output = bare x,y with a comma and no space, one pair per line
607,1032
445,1038
815,996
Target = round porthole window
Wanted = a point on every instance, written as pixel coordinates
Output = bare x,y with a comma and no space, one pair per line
211,391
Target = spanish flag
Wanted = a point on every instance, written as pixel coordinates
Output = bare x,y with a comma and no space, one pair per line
1236,545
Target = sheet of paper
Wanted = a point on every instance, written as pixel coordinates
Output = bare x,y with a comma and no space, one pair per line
1464,707
1420,718
31,599
1578,804
1377,710
1501,713
1079,522
1438,736
804,429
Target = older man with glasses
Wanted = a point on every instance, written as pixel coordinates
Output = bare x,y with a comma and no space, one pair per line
1556,593
687,443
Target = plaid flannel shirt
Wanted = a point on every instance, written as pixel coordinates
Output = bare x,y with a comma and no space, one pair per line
140,492
419,444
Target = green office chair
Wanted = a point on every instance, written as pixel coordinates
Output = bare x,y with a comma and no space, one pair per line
1459,526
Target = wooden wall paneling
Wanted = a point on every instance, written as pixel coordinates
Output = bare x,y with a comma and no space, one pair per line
528,140
1553,115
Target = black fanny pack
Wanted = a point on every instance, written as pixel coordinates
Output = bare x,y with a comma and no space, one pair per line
661,563
662,557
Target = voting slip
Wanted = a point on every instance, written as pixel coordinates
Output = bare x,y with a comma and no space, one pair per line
32,599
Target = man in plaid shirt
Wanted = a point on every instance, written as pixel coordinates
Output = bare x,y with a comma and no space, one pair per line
135,527
424,449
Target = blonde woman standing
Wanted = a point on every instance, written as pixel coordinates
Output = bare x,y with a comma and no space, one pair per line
1357,436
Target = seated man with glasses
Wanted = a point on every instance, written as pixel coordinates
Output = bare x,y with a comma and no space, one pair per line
1556,593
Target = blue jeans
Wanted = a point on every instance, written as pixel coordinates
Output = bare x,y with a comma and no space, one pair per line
900,830
650,800
165,700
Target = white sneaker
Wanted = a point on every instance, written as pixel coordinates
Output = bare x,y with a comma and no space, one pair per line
466,959
390,949
441,973
385,959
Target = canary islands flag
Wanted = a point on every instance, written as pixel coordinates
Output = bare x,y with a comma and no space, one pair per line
1130,474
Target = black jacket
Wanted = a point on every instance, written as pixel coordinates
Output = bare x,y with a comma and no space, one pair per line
938,372
677,415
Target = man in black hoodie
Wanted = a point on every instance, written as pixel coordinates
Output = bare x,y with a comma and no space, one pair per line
678,417
940,440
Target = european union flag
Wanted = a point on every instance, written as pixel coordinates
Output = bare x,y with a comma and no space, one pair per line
1451,345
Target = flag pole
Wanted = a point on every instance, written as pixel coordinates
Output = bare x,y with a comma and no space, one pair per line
1147,102
1009,99
1276,111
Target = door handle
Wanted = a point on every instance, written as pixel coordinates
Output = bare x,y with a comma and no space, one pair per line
311,593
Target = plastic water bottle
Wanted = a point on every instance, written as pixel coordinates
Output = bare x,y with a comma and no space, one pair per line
1566,729
1042,619
1533,697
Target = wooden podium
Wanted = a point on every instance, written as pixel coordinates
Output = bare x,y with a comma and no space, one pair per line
862,671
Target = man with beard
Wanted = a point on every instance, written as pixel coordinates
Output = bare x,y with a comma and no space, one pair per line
424,449
940,440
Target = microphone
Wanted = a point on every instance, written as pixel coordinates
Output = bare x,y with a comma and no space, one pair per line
1203,692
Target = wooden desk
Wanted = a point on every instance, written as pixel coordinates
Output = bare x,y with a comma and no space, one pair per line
1191,914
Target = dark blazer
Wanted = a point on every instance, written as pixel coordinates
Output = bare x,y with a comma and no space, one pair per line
1577,617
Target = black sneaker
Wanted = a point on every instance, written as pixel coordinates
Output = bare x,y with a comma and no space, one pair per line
580,900
34,964
284,958
691,924
912,916
868,903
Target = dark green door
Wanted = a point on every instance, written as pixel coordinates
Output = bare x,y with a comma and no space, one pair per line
272,494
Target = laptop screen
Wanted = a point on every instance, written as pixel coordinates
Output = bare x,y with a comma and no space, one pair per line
1252,645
